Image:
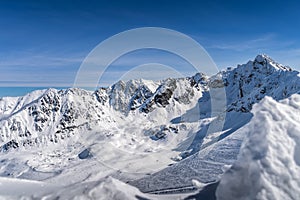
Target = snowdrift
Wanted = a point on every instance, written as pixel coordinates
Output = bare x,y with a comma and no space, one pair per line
268,166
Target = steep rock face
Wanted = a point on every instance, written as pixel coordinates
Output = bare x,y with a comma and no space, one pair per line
180,90
268,163
120,94
139,97
161,96
130,95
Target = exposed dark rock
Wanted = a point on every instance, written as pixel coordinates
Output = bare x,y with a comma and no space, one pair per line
85,154
11,144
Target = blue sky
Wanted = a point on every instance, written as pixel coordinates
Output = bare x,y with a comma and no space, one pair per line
42,43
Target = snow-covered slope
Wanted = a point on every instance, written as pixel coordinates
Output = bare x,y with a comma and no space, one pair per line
254,80
268,166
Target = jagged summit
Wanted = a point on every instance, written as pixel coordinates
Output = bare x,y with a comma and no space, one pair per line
249,83
263,64
265,60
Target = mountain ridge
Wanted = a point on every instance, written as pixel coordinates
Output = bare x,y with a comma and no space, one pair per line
244,85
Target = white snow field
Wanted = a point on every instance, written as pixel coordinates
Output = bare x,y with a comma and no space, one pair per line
142,139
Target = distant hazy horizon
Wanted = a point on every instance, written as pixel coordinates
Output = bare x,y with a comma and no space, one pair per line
21,91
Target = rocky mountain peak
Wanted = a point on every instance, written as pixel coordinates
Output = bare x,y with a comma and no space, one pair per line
249,83
266,61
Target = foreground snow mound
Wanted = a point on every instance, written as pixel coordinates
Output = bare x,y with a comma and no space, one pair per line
268,166
109,188
12,188
114,189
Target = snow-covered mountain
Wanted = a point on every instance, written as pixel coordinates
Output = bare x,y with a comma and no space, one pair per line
52,115
156,136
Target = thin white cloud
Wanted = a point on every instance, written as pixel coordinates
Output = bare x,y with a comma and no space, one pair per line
35,69
40,60
255,43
